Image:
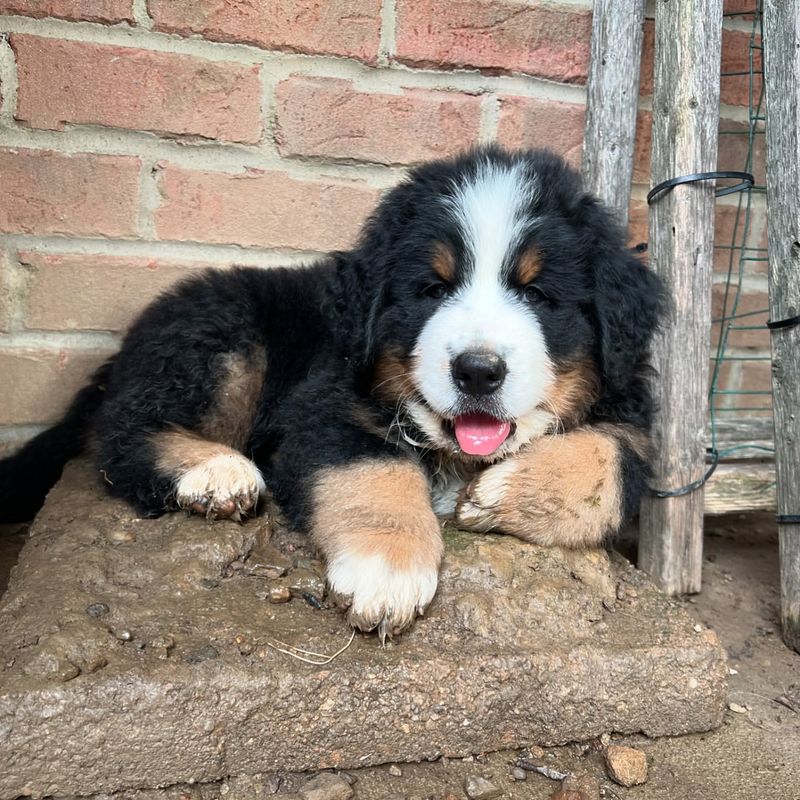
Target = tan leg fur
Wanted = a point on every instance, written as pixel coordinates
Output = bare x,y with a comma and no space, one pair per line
382,542
559,490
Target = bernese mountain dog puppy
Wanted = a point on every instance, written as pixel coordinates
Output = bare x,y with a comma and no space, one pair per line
480,354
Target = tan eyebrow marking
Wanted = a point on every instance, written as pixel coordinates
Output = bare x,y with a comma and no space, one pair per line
444,262
529,266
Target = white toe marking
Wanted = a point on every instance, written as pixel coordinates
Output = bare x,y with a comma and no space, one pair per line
220,478
380,591
490,488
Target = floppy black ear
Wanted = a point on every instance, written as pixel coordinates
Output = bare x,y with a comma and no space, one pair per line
629,302
356,300
362,275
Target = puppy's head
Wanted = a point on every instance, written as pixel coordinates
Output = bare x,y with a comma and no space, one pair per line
505,304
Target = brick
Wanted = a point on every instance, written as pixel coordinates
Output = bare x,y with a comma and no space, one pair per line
642,147
745,376
734,89
38,384
732,153
328,117
725,227
268,209
108,11
495,35
122,87
348,28
70,291
743,8
530,122
77,195
756,376
756,303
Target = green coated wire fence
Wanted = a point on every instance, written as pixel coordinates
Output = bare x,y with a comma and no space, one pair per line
739,385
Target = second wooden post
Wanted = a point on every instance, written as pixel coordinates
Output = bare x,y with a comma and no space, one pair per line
685,123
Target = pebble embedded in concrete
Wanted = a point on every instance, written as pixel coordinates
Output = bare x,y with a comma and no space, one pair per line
479,788
280,594
326,786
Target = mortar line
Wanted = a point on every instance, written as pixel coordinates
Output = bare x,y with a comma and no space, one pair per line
58,340
391,77
388,42
269,84
149,199
490,119
17,286
750,282
9,82
173,251
231,158
18,434
143,19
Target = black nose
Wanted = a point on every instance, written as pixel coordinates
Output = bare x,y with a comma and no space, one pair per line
479,373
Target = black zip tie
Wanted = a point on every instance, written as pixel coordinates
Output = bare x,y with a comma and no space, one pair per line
746,181
780,324
788,519
691,487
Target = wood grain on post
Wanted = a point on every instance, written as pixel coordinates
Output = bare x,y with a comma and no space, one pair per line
612,100
685,121
782,73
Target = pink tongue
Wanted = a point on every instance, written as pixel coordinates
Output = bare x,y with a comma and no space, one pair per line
480,434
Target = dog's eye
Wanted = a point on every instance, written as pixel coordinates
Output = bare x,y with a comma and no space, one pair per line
436,290
533,294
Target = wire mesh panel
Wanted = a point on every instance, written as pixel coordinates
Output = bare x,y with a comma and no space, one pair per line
740,374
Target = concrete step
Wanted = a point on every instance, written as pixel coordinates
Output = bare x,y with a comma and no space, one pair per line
145,653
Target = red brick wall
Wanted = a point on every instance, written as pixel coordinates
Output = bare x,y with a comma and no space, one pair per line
144,139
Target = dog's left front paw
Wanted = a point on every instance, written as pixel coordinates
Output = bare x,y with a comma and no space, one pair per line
379,596
480,504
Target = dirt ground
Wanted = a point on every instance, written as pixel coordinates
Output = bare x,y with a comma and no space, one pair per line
755,754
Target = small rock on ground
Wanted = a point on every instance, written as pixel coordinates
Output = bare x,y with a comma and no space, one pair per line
326,786
627,766
480,789
395,770
519,774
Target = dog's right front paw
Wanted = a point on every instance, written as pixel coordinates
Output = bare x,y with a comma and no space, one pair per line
225,485
380,596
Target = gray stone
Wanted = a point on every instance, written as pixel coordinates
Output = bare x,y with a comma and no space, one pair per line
326,786
516,649
478,788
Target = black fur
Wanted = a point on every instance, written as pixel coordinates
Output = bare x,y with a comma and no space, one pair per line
323,328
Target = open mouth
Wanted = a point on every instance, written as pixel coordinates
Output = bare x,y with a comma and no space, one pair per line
479,434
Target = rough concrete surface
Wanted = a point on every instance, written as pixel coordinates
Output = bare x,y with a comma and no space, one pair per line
141,653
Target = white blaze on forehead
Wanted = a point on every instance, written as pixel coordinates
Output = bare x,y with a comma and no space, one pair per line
490,209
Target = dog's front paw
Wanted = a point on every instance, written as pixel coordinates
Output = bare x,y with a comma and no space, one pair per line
225,485
379,596
481,502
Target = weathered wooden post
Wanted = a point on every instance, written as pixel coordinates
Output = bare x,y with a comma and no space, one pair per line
782,74
612,101
685,121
